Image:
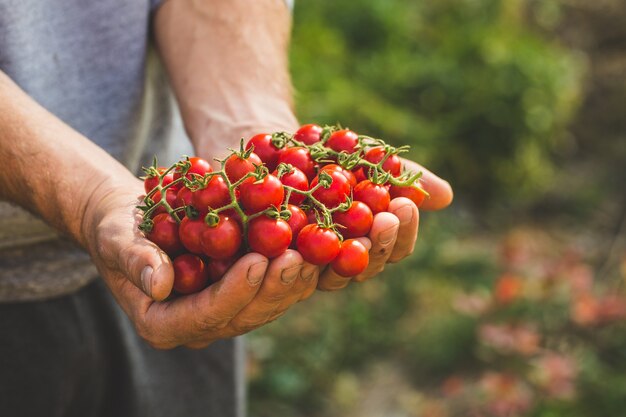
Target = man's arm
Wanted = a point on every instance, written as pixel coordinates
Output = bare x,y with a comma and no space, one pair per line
49,168
227,62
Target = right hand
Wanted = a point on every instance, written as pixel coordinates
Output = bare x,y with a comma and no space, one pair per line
253,292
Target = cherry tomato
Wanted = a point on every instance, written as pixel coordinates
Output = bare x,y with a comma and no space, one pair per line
359,174
183,197
265,149
310,216
357,220
343,140
334,195
257,195
237,167
150,183
414,194
299,158
170,198
190,274
164,234
346,173
190,234
296,222
297,180
308,134
199,167
353,259
234,215
269,237
214,195
318,246
375,196
222,240
218,267
392,164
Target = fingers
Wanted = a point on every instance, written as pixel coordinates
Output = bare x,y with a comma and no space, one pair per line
302,289
278,283
206,313
408,215
308,280
137,259
149,268
440,191
383,235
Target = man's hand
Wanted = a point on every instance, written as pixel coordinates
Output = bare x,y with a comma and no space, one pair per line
253,292
394,233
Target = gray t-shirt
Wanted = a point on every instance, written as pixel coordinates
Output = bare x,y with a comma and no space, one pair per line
91,64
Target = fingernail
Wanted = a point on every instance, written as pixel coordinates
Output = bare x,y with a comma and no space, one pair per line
404,214
256,273
308,272
146,280
386,237
288,275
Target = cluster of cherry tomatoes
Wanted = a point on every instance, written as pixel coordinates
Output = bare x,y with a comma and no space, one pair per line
316,191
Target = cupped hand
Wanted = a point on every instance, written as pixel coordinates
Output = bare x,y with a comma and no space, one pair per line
394,233
253,292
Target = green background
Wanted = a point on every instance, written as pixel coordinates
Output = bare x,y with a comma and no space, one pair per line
513,303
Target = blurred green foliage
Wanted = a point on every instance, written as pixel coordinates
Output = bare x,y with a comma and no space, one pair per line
481,96
479,321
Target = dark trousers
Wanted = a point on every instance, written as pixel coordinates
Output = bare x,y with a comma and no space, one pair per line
78,355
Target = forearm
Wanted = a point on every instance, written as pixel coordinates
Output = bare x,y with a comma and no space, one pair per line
47,167
227,62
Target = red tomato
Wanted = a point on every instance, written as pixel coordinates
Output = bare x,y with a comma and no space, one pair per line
346,173
164,234
412,193
237,167
393,165
190,274
308,134
190,234
297,180
299,158
265,149
233,214
357,220
310,217
218,267
359,174
170,198
150,183
269,237
214,195
375,196
257,195
222,240
183,197
199,167
343,140
336,194
296,222
317,245
353,259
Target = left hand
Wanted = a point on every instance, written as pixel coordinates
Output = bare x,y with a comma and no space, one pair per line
394,233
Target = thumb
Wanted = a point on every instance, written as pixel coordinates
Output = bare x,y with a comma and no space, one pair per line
150,269
137,259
